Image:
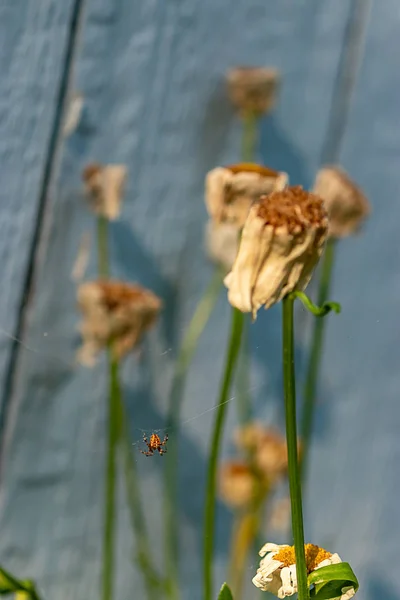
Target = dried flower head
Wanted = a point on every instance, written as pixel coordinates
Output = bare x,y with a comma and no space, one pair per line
114,312
282,241
267,448
104,187
222,243
279,518
253,89
230,191
346,204
238,484
277,571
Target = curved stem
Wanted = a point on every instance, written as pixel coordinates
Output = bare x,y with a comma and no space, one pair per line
291,440
185,356
317,311
209,517
16,585
314,361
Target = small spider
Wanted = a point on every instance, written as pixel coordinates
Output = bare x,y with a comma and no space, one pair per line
154,444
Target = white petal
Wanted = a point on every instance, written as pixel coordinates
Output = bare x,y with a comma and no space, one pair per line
287,588
347,593
270,547
293,572
332,560
335,559
268,565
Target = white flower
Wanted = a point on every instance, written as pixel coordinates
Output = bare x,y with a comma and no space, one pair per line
282,241
277,571
230,191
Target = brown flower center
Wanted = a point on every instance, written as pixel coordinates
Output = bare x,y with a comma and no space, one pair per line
252,168
294,208
314,556
117,294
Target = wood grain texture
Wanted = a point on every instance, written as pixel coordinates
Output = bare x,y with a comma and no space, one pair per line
34,38
355,461
152,77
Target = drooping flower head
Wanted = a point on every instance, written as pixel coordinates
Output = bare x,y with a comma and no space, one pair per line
345,203
231,190
104,187
282,241
253,89
277,571
114,312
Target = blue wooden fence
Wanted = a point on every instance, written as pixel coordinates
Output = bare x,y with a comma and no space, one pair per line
151,74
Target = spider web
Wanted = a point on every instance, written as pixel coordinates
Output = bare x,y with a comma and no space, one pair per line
74,365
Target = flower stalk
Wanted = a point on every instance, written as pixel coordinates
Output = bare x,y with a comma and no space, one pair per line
291,439
209,518
315,356
118,433
188,347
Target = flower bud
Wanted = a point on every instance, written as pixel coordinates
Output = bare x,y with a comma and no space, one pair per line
253,89
346,204
230,191
282,241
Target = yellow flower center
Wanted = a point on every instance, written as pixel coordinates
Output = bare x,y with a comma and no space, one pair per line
252,168
314,556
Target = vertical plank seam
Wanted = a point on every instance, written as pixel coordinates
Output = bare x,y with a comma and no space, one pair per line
346,78
54,145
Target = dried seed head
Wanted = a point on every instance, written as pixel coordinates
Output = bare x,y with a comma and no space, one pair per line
237,484
346,204
253,89
114,312
104,187
282,241
230,191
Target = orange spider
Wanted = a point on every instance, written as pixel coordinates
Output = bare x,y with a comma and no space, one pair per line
154,444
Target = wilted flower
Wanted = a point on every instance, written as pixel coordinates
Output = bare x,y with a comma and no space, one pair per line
346,204
253,89
114,312
222,243
277,571
104,187
230,191
238,484
282,241
267,448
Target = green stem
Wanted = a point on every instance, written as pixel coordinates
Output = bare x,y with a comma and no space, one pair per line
291,440
109,513
249,136
102,246
209,520
243,376
151,578
186,352
314,361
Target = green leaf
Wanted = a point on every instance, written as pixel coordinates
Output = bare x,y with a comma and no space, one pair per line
225,593
7,583
330,581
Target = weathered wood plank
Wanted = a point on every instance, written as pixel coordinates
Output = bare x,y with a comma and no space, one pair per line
151,74
355,471
34,44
